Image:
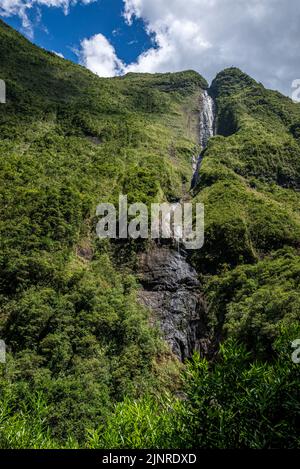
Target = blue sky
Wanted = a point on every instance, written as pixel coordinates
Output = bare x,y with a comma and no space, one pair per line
111,37
56,31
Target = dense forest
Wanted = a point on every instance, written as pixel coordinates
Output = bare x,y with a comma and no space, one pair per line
87,365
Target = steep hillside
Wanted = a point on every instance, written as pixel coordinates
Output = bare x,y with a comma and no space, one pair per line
70,140
249,183
87,363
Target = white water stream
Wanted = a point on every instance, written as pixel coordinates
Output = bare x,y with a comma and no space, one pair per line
206,130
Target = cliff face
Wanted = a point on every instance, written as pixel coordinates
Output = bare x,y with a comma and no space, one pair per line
171,290
247,178
248,182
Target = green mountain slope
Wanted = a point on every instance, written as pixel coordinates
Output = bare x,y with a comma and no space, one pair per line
70,140
85,366
249,183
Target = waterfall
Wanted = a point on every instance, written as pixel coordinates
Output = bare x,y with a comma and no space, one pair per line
207,130
207,120
171,287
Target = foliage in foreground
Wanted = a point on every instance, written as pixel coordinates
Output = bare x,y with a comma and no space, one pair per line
233,403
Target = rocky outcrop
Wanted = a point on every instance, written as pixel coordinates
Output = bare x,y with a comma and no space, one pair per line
171,290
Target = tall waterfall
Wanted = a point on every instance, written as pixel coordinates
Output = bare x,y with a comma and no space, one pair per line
171,287
207,120
207,130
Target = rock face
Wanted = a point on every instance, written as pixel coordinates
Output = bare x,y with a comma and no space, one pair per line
171,290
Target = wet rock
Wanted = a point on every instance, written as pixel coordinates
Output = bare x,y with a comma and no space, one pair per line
171,290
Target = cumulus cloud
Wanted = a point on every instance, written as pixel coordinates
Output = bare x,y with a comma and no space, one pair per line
98,55
259,36
22,7
262,37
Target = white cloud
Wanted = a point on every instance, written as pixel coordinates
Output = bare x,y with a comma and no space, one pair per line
259,36
22,7
262,37
59,54
98,55
17,7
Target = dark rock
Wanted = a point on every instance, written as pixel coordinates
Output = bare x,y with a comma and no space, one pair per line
171,290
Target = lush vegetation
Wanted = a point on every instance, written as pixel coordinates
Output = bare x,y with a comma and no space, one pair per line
85,366
234,402
70,140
